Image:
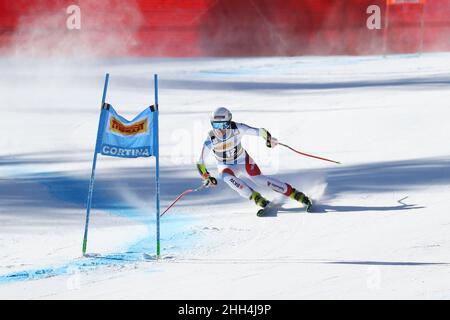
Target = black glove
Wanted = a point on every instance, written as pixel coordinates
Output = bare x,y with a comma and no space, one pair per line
271,142
209,181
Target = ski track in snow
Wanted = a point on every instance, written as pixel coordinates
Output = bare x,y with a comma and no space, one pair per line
378,217
176,231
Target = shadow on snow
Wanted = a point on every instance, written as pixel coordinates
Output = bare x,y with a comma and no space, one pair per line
24,196
114,187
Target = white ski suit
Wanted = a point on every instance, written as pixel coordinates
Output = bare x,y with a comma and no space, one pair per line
233,161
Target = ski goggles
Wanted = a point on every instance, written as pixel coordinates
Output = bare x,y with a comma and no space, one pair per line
220,124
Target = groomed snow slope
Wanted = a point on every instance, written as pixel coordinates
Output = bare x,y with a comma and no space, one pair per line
380,230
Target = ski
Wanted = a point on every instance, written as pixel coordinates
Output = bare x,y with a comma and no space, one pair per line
270,209
309,206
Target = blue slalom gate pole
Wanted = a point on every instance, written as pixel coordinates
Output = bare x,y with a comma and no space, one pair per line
158,234
94,164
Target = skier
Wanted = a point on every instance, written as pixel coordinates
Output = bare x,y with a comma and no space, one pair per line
233,161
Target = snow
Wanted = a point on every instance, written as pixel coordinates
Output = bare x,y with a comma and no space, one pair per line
381,226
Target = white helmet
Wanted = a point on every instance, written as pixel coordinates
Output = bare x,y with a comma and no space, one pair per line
221,118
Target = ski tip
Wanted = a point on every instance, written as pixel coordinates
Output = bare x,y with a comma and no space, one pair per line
270,210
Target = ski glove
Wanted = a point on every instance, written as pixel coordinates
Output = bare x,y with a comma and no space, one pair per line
271,142
208,180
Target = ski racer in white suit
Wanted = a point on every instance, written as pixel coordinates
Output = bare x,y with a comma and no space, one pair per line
233,161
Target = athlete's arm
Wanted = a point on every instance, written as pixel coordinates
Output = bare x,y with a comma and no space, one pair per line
271,142
207,178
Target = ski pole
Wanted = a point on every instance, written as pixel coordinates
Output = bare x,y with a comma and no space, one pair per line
181,196
307,155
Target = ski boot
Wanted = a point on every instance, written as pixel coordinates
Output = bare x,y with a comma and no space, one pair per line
260,201
300,197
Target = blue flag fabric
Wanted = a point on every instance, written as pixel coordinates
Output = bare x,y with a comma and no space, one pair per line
127,139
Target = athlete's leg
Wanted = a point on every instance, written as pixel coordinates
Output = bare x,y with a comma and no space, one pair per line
228,174
284,188
274,184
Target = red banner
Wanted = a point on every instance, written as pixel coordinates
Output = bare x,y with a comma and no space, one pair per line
220,27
